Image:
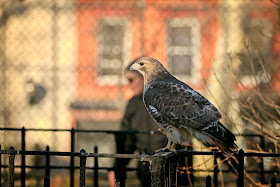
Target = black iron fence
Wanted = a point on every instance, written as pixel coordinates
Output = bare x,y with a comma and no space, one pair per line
73,144
163,166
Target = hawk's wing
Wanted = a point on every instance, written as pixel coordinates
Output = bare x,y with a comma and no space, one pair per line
177,104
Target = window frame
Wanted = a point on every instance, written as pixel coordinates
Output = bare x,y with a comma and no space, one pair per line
113,79
193,50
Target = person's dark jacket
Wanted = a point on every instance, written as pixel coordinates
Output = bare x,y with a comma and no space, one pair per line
136,117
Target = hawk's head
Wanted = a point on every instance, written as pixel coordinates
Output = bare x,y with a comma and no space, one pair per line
148,67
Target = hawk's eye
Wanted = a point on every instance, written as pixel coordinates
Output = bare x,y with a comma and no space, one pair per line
141,63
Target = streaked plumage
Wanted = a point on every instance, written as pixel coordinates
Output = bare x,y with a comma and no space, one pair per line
180,111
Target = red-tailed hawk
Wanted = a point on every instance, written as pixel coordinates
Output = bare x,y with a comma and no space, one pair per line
180,111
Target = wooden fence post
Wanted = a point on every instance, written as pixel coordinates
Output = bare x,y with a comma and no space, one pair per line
157,169
172,171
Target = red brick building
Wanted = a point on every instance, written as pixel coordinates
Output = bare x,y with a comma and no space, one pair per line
183,35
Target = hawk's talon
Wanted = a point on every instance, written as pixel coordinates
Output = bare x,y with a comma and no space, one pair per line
171,150
164,150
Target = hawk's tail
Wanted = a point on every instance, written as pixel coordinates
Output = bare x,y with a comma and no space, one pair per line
225,141
218,135
228,150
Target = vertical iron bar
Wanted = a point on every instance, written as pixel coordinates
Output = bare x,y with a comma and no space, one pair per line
190,163
208,181
240,157
47,182
11,179
23,174
0,167
82,168
273,182
172,171
262,173
157,173
95,174
47,171
216,170
72,158
120,171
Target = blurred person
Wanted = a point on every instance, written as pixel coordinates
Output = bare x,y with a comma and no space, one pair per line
136,117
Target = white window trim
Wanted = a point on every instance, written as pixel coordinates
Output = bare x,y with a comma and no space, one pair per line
115,79
194,50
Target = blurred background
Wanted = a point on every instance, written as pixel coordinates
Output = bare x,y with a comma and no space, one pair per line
62,64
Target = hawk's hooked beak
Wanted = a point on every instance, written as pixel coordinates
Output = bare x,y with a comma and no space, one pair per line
134,67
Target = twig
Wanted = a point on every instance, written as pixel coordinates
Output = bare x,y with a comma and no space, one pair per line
275,3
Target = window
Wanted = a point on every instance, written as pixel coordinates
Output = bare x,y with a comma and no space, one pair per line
113,44
258,32
184,48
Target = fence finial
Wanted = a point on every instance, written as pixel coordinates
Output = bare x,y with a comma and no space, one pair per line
82,152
